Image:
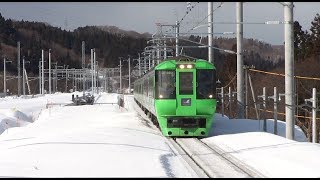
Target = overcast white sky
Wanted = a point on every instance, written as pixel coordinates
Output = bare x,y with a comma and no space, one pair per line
142,16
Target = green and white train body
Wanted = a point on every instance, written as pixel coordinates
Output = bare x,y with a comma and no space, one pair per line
181,95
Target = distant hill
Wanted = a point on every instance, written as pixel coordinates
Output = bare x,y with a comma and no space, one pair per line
65,47
117,31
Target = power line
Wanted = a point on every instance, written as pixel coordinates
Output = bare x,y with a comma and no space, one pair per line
206,17
279,74
234,77
187,12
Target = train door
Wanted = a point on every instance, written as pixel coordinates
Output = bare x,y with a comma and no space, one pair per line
186,92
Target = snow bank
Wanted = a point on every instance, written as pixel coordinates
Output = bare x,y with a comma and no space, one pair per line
223,125
13,118
271,155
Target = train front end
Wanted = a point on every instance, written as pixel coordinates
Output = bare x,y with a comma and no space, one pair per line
185,97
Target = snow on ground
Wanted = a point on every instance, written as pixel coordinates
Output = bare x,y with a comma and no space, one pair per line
15,112
105,141
269,154
223,125
89,141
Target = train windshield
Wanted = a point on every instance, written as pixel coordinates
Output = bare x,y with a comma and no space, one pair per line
165,84
206,84
185,85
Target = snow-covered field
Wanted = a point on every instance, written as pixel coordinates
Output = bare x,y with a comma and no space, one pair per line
269,154
89,141
104,141
15,112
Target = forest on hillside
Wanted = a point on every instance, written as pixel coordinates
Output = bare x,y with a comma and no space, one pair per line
66,45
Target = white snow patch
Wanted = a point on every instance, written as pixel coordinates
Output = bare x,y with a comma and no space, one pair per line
89,141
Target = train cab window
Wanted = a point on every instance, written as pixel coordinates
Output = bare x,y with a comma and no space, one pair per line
165,84
206,84
185,83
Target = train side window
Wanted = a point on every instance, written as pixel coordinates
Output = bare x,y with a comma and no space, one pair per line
165,84
150,86
151,82
206,84
145,83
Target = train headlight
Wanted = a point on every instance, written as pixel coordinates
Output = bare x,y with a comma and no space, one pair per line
181,66
210,96
189,66
160,96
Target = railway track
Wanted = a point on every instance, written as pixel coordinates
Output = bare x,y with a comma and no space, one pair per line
213,161
206,160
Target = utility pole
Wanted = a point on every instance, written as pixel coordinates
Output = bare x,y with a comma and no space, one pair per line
67,75
222,101
139,65
240,74
230,101
149,62
254,99
210,31
165,48
4,76
153,57
73,79
275,108
105,81
264,99
92,72
42,79
264,109
120,77
26,76
23,77
289,73
145,63
56,77
246,87
96,68
314,114
177,40
129,75
53,79
83,66
18,65
158,53
49,71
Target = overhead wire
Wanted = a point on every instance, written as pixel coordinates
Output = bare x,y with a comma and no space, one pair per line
284,114
279,74
187,12
234,77
206,16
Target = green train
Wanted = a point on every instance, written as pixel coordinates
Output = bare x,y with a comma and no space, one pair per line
179,96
